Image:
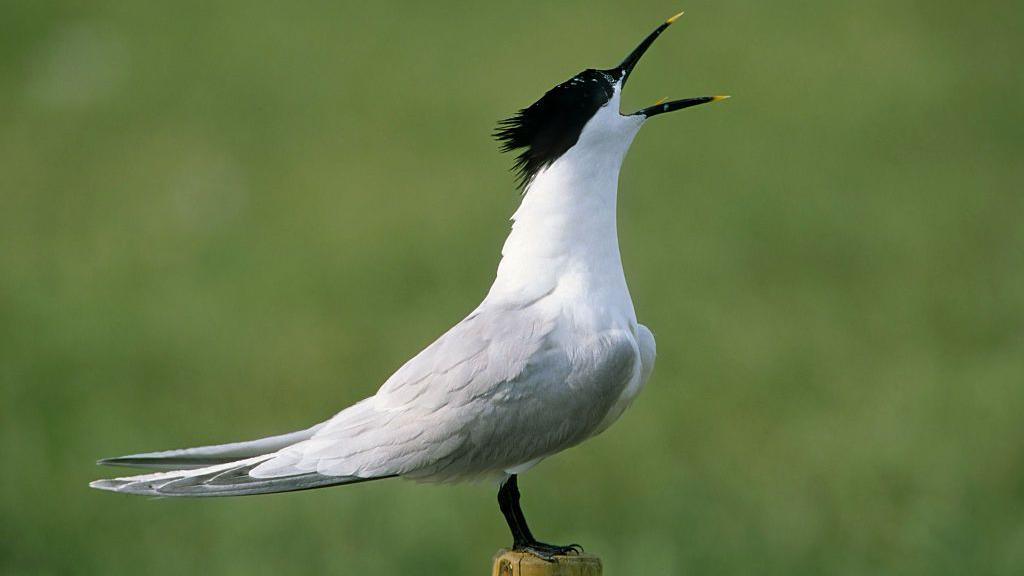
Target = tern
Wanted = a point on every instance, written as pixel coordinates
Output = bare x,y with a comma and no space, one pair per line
551,357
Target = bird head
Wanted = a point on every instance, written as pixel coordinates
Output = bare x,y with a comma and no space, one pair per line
586,104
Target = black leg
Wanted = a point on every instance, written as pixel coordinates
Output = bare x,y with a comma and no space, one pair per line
522,538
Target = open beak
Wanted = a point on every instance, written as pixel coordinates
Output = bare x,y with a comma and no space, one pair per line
626,68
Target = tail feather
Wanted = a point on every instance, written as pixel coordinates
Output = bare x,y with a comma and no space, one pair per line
205,456
230,479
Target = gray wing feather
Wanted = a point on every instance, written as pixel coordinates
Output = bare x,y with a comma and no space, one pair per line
203,456
489,394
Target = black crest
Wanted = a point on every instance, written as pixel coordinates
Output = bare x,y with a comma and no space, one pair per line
551,126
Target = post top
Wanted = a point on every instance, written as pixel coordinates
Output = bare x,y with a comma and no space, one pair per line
511,563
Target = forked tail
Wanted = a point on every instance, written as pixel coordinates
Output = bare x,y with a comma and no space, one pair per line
221,470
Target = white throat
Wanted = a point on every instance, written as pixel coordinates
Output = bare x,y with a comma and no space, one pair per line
564,234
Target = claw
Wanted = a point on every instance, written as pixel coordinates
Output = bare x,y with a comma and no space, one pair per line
547,552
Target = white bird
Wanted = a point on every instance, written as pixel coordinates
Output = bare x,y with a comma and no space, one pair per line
551,357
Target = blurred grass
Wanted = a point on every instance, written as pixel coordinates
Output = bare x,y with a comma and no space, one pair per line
218,222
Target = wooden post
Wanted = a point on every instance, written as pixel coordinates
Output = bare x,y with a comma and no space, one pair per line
509,563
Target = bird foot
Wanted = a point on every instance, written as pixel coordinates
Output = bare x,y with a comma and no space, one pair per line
547,552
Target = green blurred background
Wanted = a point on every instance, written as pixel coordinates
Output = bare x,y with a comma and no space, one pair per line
220,222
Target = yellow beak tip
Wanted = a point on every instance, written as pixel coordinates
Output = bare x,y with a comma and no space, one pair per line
673,18
720,98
